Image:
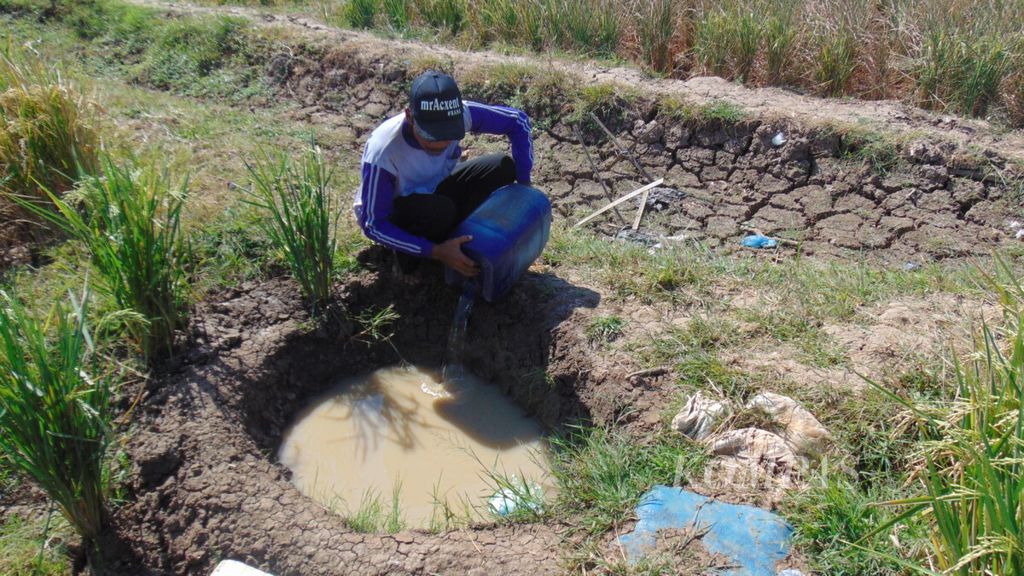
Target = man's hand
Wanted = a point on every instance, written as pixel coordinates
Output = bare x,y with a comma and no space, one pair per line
450,253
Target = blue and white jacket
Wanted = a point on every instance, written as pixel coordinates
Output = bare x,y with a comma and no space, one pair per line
395,165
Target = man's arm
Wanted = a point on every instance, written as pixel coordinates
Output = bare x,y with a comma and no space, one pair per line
378,194
487,119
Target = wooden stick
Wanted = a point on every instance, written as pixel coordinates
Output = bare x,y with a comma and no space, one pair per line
636,163
593,167
632,194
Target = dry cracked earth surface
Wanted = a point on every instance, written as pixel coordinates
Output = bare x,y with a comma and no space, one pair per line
206,429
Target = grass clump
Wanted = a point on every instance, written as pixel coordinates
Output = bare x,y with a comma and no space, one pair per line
836,63
361,13
444,15
47,137
303,223
602,474
54,417
131,229
655,24
728,41
591,27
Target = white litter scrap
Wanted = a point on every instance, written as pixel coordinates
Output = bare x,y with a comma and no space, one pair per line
233,568
520,494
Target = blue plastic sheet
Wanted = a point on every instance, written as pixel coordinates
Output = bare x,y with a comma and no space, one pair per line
755,540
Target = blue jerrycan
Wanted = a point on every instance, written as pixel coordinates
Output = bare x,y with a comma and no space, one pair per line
509,232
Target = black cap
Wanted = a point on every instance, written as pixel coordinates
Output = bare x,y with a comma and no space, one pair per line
436,106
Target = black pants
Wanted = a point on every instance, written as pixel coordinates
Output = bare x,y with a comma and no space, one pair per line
434,216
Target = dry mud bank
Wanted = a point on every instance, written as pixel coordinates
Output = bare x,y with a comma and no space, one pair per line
208,484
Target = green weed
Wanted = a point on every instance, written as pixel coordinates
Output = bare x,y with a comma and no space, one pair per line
373,515
601,474
300,202
832,513
655,25
605,328
54,416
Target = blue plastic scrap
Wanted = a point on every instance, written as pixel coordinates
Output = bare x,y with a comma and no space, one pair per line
755,540
759,241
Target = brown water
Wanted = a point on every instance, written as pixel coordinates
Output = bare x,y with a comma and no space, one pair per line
403,424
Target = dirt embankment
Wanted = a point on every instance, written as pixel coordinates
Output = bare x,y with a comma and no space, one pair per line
948,190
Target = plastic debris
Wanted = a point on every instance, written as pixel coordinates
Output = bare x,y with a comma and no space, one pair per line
233,568
1019,234
754,540
1015,225
699,417
779,139
790,572
519,495
911,266
759,241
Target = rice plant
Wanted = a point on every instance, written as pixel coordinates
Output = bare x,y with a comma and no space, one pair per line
780,36
54,416
131,228
361,13
303,221
446,15
963,73
727,41
837,61
585,26
397,12
46,134
972,462
655,24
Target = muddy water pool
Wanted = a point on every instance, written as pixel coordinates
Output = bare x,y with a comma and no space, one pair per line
437,439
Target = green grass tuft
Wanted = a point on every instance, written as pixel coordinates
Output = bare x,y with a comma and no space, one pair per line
602,474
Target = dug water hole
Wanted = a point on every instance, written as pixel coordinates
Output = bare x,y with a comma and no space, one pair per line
432,441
